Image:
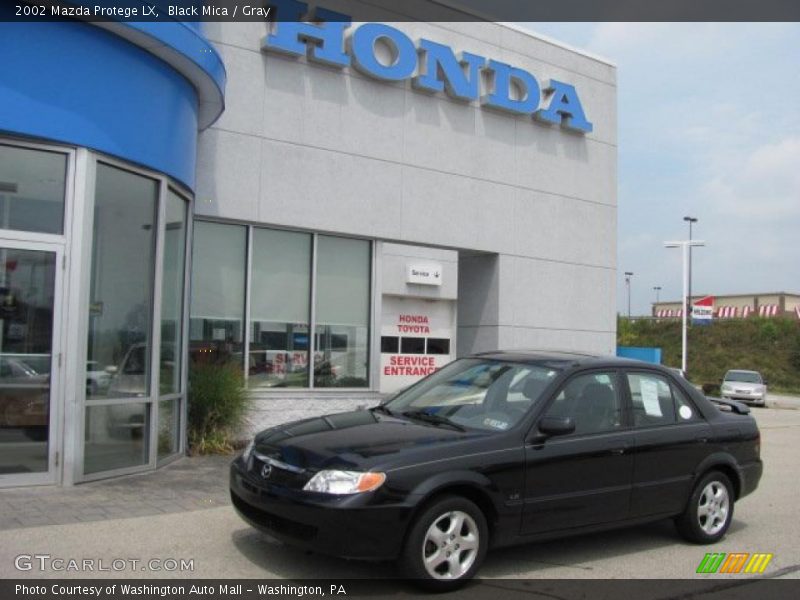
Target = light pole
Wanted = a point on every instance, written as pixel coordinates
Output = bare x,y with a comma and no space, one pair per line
690,220
628,275
685,245
656,289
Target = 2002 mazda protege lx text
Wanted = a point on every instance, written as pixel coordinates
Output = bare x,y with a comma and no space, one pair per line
499,449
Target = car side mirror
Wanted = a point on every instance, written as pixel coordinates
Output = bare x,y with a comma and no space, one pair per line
553,426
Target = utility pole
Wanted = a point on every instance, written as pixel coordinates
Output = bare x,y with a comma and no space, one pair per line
691,221
685,245
628,275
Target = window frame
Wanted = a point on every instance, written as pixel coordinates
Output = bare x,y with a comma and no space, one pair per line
626,422
673,384
373,308
69,192
153,398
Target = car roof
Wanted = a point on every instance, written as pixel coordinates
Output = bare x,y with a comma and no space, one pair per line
562,359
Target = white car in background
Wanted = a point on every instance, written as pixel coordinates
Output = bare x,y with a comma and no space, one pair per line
745,386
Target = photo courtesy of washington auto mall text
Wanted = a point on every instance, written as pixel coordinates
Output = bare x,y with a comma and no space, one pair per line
372,298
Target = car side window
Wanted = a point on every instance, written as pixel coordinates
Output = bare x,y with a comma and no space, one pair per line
651,397
685,410
593,402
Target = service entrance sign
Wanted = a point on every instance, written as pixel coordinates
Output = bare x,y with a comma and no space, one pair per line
417,338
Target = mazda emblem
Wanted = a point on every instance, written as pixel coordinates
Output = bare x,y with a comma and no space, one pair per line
266,471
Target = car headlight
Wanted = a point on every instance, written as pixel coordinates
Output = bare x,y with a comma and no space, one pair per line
248,450
344,482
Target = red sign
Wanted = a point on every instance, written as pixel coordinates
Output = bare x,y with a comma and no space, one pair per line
413,324
415,366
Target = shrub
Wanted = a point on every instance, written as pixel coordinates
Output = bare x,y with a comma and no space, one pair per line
794,352
768,331
626,332
218,406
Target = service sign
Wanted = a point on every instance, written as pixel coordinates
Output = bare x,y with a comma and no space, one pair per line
424,274
327,37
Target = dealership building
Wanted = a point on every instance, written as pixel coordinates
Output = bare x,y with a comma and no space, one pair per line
335,208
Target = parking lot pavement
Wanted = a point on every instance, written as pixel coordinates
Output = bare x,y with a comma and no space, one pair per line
221,545
783,401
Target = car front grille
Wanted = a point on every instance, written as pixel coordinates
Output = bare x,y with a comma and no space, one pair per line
278,475
273,522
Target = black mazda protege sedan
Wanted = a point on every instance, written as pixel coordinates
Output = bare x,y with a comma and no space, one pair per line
498,449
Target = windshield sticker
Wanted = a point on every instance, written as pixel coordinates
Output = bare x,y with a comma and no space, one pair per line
649,389
496,424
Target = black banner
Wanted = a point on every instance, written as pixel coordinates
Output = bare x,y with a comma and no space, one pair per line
744,588
405,10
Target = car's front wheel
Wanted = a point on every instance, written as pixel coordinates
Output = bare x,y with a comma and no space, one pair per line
709,511
446,544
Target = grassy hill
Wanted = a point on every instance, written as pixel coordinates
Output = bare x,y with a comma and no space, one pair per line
771,346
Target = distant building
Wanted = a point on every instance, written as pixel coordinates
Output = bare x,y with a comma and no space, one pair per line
738,306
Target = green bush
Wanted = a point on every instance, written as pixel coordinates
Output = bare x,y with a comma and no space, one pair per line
768,331
218,406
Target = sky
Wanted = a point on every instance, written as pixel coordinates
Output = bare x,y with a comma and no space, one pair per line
708,126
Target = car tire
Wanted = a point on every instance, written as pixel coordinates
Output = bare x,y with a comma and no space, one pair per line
709,512
452,533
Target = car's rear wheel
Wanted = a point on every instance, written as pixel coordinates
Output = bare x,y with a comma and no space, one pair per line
446,544
709,511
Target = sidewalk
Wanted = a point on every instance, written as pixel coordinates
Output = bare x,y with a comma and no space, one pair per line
190,483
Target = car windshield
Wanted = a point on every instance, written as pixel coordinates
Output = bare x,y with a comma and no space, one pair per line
491,395
743,376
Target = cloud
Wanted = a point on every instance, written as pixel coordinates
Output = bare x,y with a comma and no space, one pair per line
708,127
764,187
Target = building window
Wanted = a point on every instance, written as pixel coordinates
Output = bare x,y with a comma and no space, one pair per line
438,346
121,319
412,345
218,287
281,287
120,309
32,189
342,312
172,275
390,344
280,301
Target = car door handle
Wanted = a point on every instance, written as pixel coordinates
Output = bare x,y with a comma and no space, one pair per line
618,447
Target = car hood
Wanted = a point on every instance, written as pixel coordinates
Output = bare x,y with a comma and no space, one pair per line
357,440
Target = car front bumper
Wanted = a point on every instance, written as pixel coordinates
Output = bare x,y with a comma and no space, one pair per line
345,526
748,398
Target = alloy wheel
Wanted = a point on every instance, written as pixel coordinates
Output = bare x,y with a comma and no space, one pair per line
450,546
713,507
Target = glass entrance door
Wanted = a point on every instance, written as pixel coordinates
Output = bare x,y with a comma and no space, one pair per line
28,372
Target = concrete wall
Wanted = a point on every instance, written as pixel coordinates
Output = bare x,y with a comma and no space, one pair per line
531,209
396,257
